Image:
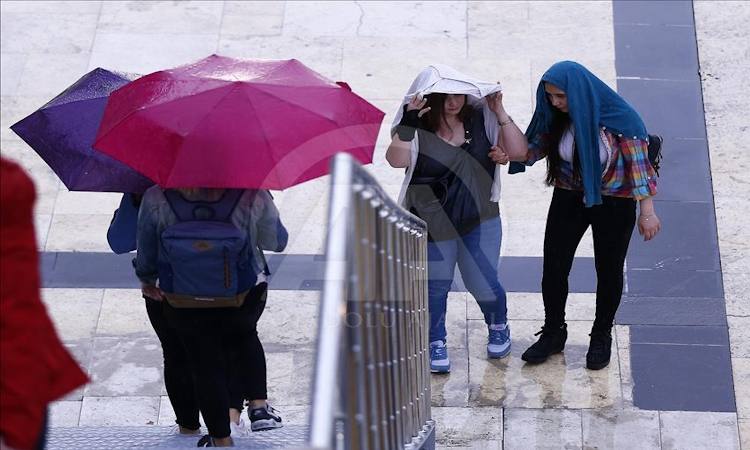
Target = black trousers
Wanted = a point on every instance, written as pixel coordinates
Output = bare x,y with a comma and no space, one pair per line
178,376
612,225
41,442
225,356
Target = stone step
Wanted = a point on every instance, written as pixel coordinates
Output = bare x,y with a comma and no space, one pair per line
162,437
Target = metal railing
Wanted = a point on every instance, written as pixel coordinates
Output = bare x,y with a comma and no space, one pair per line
371,389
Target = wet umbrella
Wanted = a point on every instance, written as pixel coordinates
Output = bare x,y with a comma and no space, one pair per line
234,123
62,132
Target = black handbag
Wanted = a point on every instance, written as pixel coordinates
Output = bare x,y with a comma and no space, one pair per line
446,203
654,151
450,203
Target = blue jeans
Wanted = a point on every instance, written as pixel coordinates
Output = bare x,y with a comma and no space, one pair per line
477,254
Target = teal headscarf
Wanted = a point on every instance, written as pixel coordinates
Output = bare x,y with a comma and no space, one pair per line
591,104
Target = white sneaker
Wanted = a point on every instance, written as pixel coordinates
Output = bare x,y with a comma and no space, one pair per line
239,430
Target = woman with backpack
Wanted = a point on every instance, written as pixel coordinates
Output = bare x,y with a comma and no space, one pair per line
204,247
445,139
596,147
178,378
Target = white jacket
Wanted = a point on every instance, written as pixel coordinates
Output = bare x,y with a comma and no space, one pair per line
447,80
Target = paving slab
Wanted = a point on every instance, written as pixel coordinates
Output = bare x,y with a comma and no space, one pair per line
617,430
686,430
676,285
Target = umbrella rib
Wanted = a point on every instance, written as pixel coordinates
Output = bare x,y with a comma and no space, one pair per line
78,173
312,110
309,109
287,63
232,87
265,138
277,68
336,125
273,156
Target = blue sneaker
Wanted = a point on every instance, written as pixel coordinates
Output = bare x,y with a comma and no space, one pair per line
439,361
498,341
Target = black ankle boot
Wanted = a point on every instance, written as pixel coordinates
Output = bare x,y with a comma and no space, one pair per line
551,341
600,350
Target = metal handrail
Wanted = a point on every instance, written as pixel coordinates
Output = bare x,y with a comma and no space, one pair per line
371,388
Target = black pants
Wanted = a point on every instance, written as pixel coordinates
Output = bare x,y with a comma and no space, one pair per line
41,442
178,377
612,225
225,355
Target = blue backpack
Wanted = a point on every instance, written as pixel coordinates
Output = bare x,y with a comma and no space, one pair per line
204,259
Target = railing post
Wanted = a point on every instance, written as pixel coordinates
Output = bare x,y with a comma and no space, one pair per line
371,389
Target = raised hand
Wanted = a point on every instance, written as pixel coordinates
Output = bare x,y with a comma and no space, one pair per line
413,111
495,102
418,103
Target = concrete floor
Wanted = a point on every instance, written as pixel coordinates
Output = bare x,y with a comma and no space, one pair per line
377,48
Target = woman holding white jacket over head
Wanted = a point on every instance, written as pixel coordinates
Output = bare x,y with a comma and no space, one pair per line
445,135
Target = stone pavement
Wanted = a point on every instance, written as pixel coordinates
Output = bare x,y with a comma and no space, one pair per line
681,375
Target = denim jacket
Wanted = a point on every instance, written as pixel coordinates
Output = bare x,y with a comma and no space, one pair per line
121,234
257,216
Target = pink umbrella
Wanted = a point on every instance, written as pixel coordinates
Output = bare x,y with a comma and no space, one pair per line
233,123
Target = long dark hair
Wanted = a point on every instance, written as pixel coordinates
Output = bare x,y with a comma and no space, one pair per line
436,102
560,122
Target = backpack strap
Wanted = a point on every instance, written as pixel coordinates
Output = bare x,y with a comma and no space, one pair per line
185,209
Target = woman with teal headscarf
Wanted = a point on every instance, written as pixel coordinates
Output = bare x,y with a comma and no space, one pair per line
596,147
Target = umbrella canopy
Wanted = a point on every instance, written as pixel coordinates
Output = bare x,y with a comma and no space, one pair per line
234,123
62,132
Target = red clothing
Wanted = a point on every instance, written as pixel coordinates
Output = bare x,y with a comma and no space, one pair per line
35,368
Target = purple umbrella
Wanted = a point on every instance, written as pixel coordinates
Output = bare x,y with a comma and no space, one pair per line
62,132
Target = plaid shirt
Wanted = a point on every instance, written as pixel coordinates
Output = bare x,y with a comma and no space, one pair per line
629,175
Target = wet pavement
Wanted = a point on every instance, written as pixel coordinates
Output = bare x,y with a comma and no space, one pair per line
681,359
